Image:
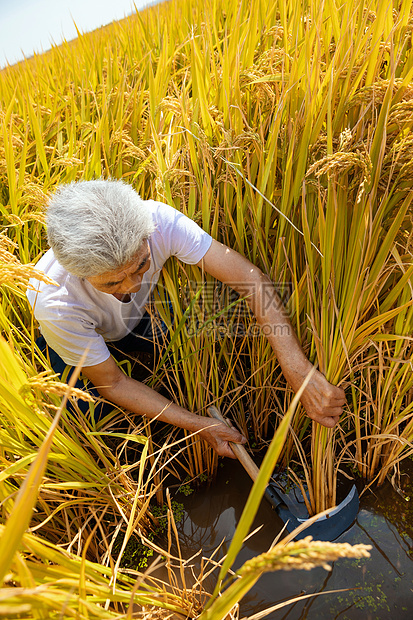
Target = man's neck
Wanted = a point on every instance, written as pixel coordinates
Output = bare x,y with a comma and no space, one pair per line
124,297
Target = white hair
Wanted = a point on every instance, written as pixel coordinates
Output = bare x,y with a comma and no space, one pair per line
96,226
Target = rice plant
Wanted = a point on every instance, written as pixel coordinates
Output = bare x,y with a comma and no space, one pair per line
284,130
42,579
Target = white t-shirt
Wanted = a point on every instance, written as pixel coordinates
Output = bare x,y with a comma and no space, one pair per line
75,316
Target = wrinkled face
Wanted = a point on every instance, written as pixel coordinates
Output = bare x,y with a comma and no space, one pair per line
126,279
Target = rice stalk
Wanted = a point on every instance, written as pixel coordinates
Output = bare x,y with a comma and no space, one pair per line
305,554
285,132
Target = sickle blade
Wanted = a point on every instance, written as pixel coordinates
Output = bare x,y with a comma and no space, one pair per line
328,527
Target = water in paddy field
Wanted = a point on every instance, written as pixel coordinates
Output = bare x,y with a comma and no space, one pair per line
381,586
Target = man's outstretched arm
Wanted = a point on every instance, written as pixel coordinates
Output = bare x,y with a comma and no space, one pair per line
323,402
116,387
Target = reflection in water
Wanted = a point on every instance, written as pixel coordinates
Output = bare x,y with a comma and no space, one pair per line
381,587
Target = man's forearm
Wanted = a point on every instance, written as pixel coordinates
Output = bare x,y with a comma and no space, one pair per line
322,401
139,398
271,315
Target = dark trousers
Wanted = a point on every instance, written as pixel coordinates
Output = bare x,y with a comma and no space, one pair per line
142,339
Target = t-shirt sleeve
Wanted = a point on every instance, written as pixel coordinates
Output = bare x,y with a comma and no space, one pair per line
71,338
181,236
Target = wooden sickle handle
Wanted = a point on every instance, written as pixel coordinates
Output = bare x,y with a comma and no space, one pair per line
237,448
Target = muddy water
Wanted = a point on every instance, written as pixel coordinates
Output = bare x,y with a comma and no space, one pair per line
381,587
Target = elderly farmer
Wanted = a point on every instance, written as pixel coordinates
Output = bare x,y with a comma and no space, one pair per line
108,247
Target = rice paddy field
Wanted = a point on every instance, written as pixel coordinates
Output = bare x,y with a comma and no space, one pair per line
284,130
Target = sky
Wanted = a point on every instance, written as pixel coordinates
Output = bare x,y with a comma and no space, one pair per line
28,26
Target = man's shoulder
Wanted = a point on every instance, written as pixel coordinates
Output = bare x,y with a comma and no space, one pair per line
162,213
169,223
48,298
178,235
169,218
37,289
